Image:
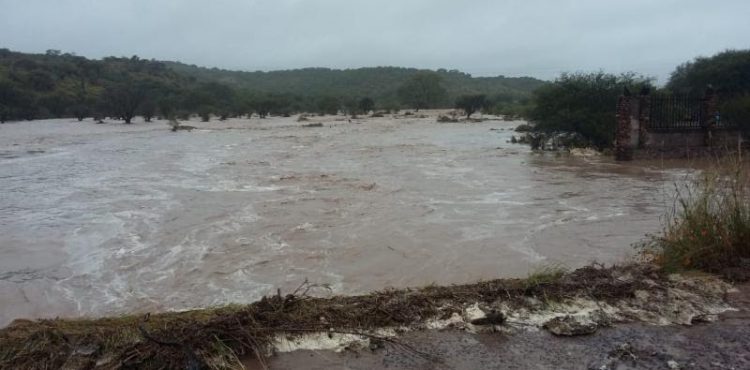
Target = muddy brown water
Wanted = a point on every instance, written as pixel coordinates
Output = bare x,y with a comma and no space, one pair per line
113,218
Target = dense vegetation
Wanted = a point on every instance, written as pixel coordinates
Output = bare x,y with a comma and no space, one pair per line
584,104
728,73
65,85
379,83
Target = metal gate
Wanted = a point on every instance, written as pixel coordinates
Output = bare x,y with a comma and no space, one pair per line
675,113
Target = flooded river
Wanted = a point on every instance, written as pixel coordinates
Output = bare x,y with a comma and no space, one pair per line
114,218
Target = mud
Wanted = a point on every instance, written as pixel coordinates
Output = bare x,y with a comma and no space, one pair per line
723,344
594,297
109,219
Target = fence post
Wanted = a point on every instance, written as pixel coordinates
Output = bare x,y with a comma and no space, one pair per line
623,142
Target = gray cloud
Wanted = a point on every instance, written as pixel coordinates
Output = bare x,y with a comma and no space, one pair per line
513,37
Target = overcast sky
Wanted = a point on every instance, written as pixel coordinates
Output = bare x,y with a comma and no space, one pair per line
540,38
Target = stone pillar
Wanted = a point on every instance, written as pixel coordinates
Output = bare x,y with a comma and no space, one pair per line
623,140
644,117
709,114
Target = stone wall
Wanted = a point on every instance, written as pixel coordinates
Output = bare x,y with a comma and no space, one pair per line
635,140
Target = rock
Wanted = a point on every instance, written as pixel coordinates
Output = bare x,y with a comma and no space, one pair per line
673,365
569,326
493,317
86,350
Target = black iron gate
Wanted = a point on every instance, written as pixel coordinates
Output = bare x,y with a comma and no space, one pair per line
675,113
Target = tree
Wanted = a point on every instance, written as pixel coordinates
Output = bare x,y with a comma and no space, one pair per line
471,103
737,111
728,72
148,110
80,111
16,103
264,106
350,107
167,107
584,104
366,104
123,99
204,112
328,105
423,90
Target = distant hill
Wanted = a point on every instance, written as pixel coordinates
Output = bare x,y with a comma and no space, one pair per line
56,84
379,83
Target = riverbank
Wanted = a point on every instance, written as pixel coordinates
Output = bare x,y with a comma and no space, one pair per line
722,344
580,302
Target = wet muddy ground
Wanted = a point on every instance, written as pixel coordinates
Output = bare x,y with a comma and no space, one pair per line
718,345
113,218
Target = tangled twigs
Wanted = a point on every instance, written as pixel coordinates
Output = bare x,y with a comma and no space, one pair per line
193,361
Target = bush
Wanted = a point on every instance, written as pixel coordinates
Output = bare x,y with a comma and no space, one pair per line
328,105
524,128
584,104
709,227
737,111
204,113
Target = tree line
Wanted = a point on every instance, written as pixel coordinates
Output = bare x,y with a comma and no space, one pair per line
56,84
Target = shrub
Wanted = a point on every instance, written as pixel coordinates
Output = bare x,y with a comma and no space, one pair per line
328,105
204,113
709,227
737,111
524,128
583,103
183,115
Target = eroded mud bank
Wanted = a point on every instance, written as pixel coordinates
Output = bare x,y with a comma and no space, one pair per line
579,302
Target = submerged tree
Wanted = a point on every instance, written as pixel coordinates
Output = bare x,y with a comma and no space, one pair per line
471,103
123,99
205,113
366,104
328,105
148,110
167,107
423,90
350,106
80,111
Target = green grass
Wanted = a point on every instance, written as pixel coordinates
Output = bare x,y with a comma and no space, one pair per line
709,226
545,274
